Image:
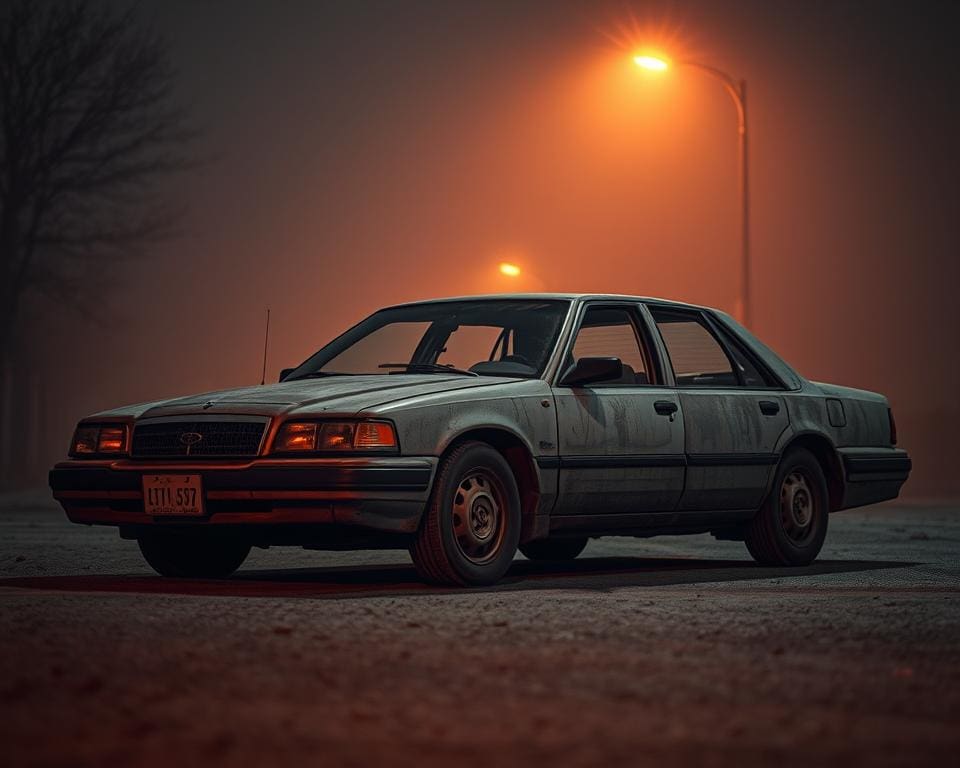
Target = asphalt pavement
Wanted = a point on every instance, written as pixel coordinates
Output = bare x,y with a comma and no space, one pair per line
672,650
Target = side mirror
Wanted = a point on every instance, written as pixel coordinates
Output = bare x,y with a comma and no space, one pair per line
286,372
589,370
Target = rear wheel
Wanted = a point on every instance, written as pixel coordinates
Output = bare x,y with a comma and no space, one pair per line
554,549
790,527
471,526
193,554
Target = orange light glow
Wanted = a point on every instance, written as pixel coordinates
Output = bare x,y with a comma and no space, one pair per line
111,439
295,436
336,435
510,270
652,63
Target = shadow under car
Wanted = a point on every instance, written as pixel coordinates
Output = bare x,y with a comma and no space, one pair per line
590,573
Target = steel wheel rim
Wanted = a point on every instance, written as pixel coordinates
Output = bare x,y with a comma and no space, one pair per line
479,516
798,507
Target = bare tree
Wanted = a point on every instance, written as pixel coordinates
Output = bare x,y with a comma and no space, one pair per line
87,128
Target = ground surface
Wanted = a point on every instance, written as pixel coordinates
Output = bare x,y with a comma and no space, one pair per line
670,650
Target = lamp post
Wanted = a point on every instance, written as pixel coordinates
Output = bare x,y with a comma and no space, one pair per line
737,89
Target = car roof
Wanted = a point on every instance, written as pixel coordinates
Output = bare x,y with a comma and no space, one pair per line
554,297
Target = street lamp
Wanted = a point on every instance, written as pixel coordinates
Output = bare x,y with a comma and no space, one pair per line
738,92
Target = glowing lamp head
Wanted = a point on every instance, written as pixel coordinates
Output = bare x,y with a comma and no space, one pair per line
510,270
651,63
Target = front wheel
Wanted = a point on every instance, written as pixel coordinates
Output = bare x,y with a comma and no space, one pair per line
471,527
790,527
192,554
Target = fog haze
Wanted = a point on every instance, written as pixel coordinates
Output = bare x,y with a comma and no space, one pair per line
357,155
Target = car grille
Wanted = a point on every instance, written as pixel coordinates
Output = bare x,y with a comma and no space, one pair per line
179,439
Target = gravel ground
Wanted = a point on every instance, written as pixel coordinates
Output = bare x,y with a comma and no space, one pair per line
640,652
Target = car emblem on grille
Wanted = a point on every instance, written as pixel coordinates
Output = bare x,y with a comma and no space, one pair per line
190,438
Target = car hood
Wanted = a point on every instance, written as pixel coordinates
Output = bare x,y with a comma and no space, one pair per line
335,395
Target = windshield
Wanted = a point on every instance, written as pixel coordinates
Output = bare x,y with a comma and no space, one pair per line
492,337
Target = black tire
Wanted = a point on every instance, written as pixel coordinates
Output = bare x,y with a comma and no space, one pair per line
193,554
791,525
554,549
471,527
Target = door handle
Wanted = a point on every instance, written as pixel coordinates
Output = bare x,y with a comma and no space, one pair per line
665,407
769,407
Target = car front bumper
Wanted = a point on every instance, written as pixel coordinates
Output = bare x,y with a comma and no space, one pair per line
381,493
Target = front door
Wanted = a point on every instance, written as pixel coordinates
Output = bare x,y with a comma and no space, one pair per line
620,442
732,415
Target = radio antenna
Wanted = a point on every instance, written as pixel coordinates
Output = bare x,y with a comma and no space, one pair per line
266,340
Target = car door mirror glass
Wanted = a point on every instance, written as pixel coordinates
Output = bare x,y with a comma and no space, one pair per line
592,370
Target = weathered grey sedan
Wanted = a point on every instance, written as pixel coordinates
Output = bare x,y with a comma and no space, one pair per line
464,429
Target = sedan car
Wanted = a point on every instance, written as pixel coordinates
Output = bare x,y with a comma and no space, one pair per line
464,429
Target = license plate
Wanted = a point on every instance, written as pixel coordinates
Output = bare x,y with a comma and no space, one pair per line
172,495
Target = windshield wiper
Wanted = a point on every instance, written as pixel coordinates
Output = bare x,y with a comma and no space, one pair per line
428,368
317,375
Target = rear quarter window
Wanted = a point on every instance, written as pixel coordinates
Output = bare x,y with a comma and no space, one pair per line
697,357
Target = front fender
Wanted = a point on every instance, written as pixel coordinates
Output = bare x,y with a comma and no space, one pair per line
527,413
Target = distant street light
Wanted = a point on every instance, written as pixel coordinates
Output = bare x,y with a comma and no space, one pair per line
738,92
510,270
650,62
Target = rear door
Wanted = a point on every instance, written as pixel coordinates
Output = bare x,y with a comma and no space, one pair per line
620,442
733,413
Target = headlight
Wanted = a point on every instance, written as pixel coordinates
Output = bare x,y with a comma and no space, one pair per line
332,436
99,439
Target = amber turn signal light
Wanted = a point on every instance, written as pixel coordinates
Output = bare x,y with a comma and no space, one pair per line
375,434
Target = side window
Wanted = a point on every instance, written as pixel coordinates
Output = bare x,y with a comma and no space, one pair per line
610,332
698,359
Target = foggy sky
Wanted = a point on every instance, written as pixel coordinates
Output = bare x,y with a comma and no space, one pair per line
359,154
